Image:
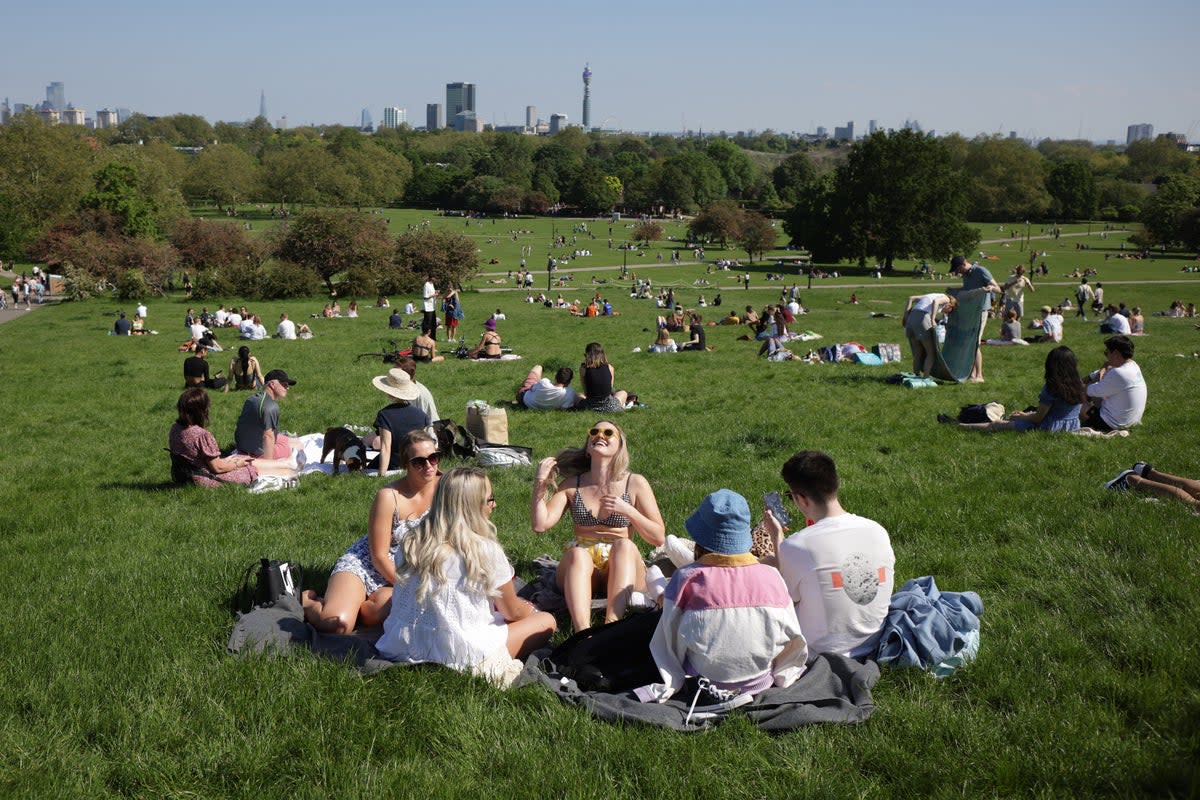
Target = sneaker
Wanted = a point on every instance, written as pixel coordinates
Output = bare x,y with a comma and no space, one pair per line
946,419
1121,482
711,702
1141,468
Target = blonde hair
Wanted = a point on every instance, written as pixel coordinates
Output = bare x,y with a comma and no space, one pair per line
573,461
456,526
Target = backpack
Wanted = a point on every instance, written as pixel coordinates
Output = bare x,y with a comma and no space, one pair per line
273,580
610,658
455,440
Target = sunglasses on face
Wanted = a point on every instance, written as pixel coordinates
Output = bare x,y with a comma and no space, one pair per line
607,433
420,462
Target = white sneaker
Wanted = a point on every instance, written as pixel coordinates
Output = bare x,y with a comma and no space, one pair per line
1121,482
681,551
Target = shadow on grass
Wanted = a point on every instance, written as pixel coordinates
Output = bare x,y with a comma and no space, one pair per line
145,486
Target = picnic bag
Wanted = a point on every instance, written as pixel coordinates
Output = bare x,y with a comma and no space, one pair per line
487,423
504,455
455,440
981,412
273,580
610,658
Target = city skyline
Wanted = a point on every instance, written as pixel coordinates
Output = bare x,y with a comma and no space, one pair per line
1064,72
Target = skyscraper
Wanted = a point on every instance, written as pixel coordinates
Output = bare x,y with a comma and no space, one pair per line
365,123
530,117
394,117
262,104
56,95
1136,132
587,97
435,118
460,97
557,122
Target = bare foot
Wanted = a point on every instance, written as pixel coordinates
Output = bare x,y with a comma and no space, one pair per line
975,380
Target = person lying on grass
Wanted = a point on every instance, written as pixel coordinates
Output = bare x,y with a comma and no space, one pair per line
454,601
360,585
1144,478
602,556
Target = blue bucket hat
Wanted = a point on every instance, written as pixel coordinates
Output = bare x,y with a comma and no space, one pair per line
722,523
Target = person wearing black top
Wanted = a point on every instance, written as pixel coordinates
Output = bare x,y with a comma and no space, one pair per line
696,329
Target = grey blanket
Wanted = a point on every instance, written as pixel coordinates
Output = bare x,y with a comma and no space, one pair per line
833,689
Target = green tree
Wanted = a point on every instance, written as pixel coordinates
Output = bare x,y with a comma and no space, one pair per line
118,191
305,174
690,181
719,221
738,172
44,173
756,234
1073,188
451,259
1150,160
897,195
223,174
593,191
376,176
339,244
1166,212
647,231
792,175
1007,179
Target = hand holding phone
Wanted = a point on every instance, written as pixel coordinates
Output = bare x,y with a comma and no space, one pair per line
775,505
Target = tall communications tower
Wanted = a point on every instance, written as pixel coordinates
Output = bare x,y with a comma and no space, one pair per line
587,98
262,103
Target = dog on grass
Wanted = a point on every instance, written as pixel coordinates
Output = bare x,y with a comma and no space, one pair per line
347,448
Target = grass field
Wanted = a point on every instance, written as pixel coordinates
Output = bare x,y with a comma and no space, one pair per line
116,681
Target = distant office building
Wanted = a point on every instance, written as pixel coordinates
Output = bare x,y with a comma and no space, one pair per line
435,117
19,108
844,134
5,112
822,132
587,97
262,103
1135,133
912,125
871,127
56,95
365,123
50,116
460,97
123,114
106,118
531,117
72,116
557,123
1012,134
394,117
282,123
1179,139
467,122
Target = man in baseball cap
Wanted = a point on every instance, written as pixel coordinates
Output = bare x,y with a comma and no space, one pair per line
257,431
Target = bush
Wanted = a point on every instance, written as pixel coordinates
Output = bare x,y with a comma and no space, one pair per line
286,279
79,283
211,284
131,285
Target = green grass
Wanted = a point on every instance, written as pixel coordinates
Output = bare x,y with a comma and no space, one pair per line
116,681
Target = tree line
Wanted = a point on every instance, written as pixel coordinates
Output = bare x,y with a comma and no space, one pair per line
122,194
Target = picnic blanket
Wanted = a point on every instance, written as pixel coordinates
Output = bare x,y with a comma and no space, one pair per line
955,357
313,443
834,688
930,629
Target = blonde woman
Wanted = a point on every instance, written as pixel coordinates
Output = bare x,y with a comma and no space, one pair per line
360,586
602,558
454,601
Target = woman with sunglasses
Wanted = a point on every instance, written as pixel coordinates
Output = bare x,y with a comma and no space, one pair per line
360,586
607,504
455,603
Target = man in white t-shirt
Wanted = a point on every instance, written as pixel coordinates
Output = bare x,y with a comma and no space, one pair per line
1115,323
429,308
838,570
1117,389
286,329
141,310
540,393
221,317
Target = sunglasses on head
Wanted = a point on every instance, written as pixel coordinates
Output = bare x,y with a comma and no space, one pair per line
607,433
420,462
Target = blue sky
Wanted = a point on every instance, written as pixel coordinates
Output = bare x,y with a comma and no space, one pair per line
1044,69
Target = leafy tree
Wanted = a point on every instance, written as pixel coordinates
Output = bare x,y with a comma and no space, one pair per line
203,244
223,174
476,194
158,171
306,174
690,181
1007,179
434,185
118,191
896,196
1121,198
1166,213
1150,160
377,177
451,259
510,158
719,221
44,173
739,174
594,192
1073,188
331,243
792,175
756,234
647,231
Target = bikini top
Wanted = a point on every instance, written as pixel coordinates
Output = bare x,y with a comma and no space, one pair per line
581,515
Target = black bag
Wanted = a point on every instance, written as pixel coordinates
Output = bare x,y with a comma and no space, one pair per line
273,580
455,440
611,658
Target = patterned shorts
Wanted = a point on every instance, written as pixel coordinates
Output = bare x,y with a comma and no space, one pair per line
605,405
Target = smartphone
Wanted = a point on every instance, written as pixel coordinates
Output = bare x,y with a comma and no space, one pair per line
775,504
